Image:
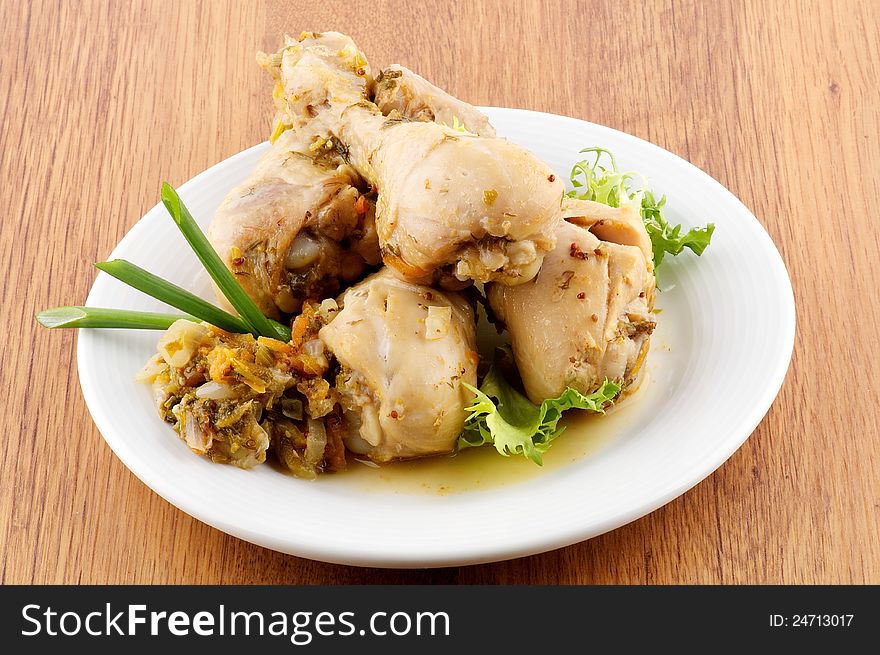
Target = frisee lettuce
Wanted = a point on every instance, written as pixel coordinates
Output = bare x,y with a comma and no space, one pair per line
502,416
592,179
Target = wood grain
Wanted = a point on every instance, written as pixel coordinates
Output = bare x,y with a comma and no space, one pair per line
779,101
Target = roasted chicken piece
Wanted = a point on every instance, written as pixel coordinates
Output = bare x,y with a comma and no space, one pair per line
411,96
404,350
298,228
452,206
587,315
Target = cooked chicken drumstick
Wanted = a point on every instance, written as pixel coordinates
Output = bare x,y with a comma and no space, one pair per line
586,316
452,207
297,228
404,351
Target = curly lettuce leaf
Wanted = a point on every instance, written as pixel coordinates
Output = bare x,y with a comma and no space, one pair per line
592,179
502,416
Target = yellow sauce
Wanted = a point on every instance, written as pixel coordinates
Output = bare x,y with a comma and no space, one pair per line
474,469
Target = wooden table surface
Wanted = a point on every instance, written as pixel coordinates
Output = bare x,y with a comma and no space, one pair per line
100,101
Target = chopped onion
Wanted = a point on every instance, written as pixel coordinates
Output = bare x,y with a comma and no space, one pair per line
159,393
246,457
196,438
438,322
279,378
328,309
292,408
149,372
214,391
314,348
261,437
304,251
316,442
181,340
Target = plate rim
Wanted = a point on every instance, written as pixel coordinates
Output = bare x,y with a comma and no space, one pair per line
562,537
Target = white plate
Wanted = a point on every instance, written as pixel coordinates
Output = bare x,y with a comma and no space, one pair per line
717,362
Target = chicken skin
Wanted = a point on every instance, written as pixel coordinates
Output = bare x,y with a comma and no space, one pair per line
298,228
404,351
587,315
411,96
452,207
